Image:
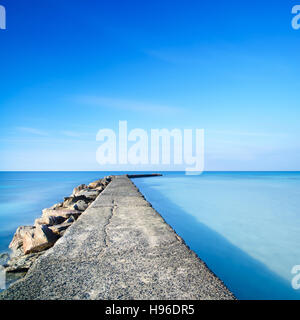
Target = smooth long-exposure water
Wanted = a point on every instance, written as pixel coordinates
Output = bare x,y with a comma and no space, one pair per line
244,225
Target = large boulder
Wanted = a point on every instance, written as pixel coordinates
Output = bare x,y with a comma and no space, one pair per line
101,182
38,239
61,228
49,220
79,188
90,195
70,201
70,220
80,205
17,241
56,206
95,184
106,180
62,212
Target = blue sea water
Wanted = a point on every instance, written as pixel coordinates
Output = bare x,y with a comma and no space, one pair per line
244,225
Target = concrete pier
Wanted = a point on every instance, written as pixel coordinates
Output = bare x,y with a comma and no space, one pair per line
120,248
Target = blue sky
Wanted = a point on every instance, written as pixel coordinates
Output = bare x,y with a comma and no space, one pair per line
71,67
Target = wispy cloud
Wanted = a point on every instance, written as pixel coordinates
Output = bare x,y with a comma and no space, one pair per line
125,104
183,55
33,131
247,133
74,134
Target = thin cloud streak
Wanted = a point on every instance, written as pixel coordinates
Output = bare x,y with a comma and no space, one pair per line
250,134
74,134
33,131
125,104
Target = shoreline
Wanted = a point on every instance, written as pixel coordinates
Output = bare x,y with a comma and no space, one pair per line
119,224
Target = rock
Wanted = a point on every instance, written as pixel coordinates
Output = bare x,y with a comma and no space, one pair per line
63,212
90,195
17,241
79,188
22,263
95,184
59,229
39,239
56,206
100,189
4,257
85,195
106,180
70,220
101,182
70,201
17,252
49,220
80,205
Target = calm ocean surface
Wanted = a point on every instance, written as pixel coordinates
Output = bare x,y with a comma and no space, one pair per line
244,225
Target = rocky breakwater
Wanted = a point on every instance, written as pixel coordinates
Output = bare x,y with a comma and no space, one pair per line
30,242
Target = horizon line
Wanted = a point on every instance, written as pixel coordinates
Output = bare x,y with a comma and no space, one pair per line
130,171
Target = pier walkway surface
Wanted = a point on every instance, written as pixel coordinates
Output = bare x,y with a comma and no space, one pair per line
120,248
